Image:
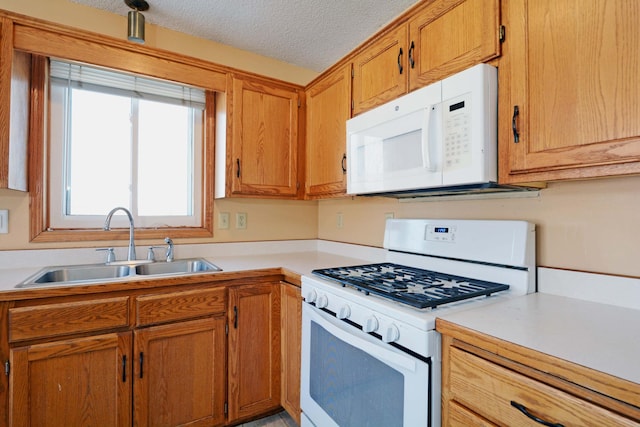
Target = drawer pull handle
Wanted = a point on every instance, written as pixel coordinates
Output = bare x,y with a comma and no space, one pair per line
141,363
514,124
399,61
525,411
343,164
124,369
411,60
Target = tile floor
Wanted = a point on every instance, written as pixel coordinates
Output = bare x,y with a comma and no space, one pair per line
281,419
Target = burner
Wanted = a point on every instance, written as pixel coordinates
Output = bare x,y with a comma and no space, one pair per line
413,286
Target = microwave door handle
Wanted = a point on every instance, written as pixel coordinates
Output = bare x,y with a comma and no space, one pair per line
429,135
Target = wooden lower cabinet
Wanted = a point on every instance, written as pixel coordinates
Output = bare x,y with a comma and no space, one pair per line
291,336
179,372
72,382
483,388
254,350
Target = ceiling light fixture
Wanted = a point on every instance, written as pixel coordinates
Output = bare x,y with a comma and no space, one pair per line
135,20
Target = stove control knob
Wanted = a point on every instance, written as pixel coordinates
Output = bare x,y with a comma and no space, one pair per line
311,296
344,312
371,325
392,334
322,302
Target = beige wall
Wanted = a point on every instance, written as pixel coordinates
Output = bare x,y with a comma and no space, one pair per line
586,225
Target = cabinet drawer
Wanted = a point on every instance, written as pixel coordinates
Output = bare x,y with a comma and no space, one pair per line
67,318
489,389
160,308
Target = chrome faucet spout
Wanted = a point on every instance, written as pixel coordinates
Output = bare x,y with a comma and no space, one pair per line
131,256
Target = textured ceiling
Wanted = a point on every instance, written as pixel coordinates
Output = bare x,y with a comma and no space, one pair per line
312,34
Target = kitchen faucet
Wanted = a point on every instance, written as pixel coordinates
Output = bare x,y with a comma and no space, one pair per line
131,256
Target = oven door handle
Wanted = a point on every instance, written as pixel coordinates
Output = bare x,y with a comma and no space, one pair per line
361,340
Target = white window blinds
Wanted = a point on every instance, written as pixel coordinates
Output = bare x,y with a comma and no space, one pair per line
110,81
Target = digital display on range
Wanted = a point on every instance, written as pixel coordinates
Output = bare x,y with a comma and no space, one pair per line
456,106
441,229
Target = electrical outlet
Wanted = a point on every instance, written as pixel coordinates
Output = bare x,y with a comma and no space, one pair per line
223,220
4,221
389,215
241,220
339,220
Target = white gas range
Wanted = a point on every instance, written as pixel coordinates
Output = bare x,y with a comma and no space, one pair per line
370,352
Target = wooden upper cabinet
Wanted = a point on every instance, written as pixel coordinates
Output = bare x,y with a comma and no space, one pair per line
264,139
328,109
448,36
571,69
380,72
15,72
439,39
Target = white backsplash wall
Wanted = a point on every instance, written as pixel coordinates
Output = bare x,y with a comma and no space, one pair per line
582,225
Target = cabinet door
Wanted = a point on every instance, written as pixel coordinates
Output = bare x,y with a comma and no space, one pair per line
75,382
572,71
380,72
264,154
291,333
448,36
254,350
179,374
328,109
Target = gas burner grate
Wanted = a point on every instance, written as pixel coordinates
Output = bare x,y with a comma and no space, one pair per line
413,286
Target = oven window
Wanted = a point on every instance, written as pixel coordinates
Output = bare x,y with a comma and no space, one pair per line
353,387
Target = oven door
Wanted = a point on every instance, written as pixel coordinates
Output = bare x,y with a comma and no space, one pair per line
350,378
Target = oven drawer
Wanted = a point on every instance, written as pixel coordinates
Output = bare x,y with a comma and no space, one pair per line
493,392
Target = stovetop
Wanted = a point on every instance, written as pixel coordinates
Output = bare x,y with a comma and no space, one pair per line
409,285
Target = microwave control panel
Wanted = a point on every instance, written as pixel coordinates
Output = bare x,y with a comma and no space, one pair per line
457,132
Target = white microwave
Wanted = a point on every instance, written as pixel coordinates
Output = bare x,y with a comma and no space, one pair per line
442,136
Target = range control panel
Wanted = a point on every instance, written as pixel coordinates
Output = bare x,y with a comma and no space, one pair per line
440,233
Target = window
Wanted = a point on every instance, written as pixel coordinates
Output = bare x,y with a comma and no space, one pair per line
122,140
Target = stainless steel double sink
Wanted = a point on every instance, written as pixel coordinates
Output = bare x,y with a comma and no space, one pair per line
98,273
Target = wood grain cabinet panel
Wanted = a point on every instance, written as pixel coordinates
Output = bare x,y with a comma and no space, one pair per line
328,109
493,392
254,350
571,69
380,72
291,345
75,382
436,40
264,139
179,374
448,36
68,318
180,305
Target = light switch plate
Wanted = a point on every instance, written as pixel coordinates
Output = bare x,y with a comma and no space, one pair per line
4,221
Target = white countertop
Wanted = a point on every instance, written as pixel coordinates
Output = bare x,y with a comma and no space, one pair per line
599,336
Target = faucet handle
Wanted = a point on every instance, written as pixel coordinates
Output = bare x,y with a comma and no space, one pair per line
151,256
111,256
169,253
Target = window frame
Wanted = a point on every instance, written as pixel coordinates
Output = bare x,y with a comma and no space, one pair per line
98,50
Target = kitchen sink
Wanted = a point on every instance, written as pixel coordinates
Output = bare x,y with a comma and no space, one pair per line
180,266
100,273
